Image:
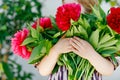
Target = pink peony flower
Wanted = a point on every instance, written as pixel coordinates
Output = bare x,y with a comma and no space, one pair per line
16,42
43,22
65,13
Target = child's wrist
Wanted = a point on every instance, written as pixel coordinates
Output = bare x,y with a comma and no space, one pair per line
91,56
54,52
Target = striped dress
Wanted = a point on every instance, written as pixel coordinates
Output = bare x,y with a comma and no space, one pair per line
63,73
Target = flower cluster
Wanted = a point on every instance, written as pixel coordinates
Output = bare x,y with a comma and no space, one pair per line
16,42
66,13
113,19
20,36
43,22
96,28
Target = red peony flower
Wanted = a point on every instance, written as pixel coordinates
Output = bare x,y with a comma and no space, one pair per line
65,13
16,42
43,22
113,19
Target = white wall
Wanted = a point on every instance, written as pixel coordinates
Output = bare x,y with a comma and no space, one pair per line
50,6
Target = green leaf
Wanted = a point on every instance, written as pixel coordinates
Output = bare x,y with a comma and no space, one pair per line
71,31
48,45
86,24
7,71
108,51
108,43
50,31
54,23
96,11
83,32
40,37
41,50
118,45
111,31
105,38
72,21
36,59
94,38
114,59
57,35
68,33
106,55
28,40
34,33
36,54
102,13
75,30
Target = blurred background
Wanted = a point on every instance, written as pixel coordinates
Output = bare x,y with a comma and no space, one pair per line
14,14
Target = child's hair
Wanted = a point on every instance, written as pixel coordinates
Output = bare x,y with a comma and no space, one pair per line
87,4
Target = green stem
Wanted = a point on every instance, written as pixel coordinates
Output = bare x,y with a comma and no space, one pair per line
91,73
78,68
87,70
70,71
48,35
74,61
110,31
81,67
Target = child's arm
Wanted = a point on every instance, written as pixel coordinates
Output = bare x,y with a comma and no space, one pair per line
48,63
85,50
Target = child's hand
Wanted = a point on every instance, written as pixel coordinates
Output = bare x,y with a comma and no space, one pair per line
62,46
82,47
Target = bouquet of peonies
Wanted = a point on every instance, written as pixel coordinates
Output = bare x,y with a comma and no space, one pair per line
101,31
